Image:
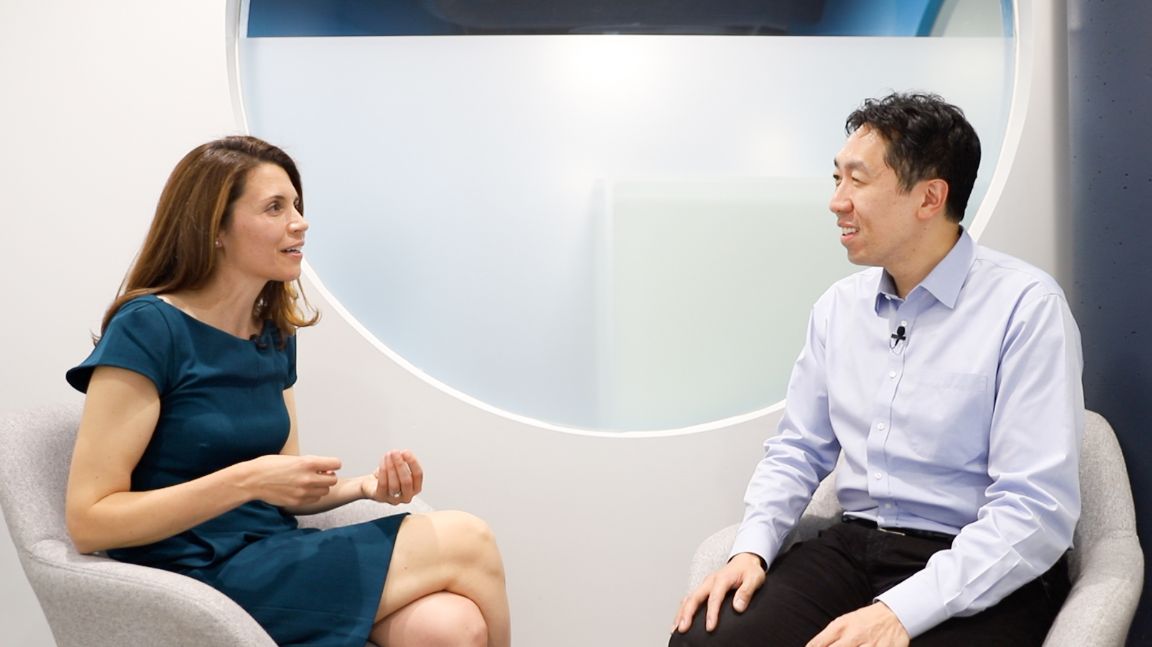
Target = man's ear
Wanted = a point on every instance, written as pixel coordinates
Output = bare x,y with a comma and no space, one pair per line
935,199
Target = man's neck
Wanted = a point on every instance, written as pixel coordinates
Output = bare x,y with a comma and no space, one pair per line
932,249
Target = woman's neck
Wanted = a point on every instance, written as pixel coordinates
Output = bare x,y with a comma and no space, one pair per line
220,305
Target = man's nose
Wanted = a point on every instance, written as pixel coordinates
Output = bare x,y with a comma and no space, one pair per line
839,203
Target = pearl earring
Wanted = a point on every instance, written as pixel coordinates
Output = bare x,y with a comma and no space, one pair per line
218,243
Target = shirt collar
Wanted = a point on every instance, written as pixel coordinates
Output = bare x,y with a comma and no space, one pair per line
944,281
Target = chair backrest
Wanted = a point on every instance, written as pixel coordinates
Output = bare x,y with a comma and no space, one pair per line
1107,509
89,600
34,472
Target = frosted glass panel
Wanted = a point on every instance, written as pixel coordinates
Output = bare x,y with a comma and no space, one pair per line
705,283
500,210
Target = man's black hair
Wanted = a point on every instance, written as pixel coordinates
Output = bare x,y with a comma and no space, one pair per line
927,138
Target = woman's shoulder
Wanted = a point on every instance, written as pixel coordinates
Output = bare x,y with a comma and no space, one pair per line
142,317
138,338
144,305
146,310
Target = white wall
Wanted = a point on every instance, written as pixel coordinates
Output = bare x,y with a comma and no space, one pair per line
101,99
1027,211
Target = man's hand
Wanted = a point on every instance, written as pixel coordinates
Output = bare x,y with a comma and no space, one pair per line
744,572
872,626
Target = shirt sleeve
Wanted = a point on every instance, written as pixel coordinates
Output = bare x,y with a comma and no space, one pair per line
137,339
797,458
1032,503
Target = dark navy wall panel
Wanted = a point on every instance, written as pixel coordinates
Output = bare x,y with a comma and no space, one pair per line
296,18
1110,92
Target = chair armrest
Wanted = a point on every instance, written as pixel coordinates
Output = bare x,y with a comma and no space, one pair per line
359,511
710,555
811,524
822,511
1103,599
95,601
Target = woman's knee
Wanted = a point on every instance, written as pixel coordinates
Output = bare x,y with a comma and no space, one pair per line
437,620
470,540
458,623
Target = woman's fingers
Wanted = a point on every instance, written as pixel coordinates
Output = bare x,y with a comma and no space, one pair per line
399,477
416,471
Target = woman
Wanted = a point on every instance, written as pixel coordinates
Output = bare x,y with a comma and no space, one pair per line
187,456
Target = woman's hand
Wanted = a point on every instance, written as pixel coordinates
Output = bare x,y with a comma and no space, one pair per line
287,481
398,479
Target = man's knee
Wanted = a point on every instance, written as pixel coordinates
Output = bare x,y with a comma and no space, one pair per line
695,636
731,630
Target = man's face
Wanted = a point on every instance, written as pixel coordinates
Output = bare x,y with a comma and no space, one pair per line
877,219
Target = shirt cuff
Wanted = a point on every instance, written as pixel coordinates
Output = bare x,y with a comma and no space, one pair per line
753,540
917,609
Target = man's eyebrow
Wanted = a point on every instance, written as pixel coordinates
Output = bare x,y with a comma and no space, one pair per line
850,165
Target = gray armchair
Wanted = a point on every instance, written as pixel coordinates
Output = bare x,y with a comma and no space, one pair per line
1106,566
94,601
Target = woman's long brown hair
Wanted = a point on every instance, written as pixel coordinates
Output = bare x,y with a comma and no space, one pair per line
196,203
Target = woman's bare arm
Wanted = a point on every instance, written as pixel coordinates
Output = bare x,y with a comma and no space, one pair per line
120,415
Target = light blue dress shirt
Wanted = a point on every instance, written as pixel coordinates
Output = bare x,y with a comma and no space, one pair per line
969,425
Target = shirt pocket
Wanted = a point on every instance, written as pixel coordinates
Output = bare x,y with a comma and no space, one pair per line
948,416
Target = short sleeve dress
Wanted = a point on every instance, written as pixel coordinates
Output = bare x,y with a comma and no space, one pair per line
222,402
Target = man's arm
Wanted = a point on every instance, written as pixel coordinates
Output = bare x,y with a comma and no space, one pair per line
798,457
802,453
1033,501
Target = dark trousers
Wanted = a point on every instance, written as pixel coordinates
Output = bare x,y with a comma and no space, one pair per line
844,569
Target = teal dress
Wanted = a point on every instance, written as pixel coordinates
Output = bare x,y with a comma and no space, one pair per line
222,402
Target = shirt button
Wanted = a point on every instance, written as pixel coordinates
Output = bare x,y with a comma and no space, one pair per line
892,374
878,476
881,426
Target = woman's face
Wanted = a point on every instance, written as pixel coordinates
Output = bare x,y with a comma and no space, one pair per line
264,238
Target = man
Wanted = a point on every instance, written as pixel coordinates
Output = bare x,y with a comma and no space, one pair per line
946,380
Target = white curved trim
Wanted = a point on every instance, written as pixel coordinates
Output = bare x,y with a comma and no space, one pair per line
1022,73
396,358
235,17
